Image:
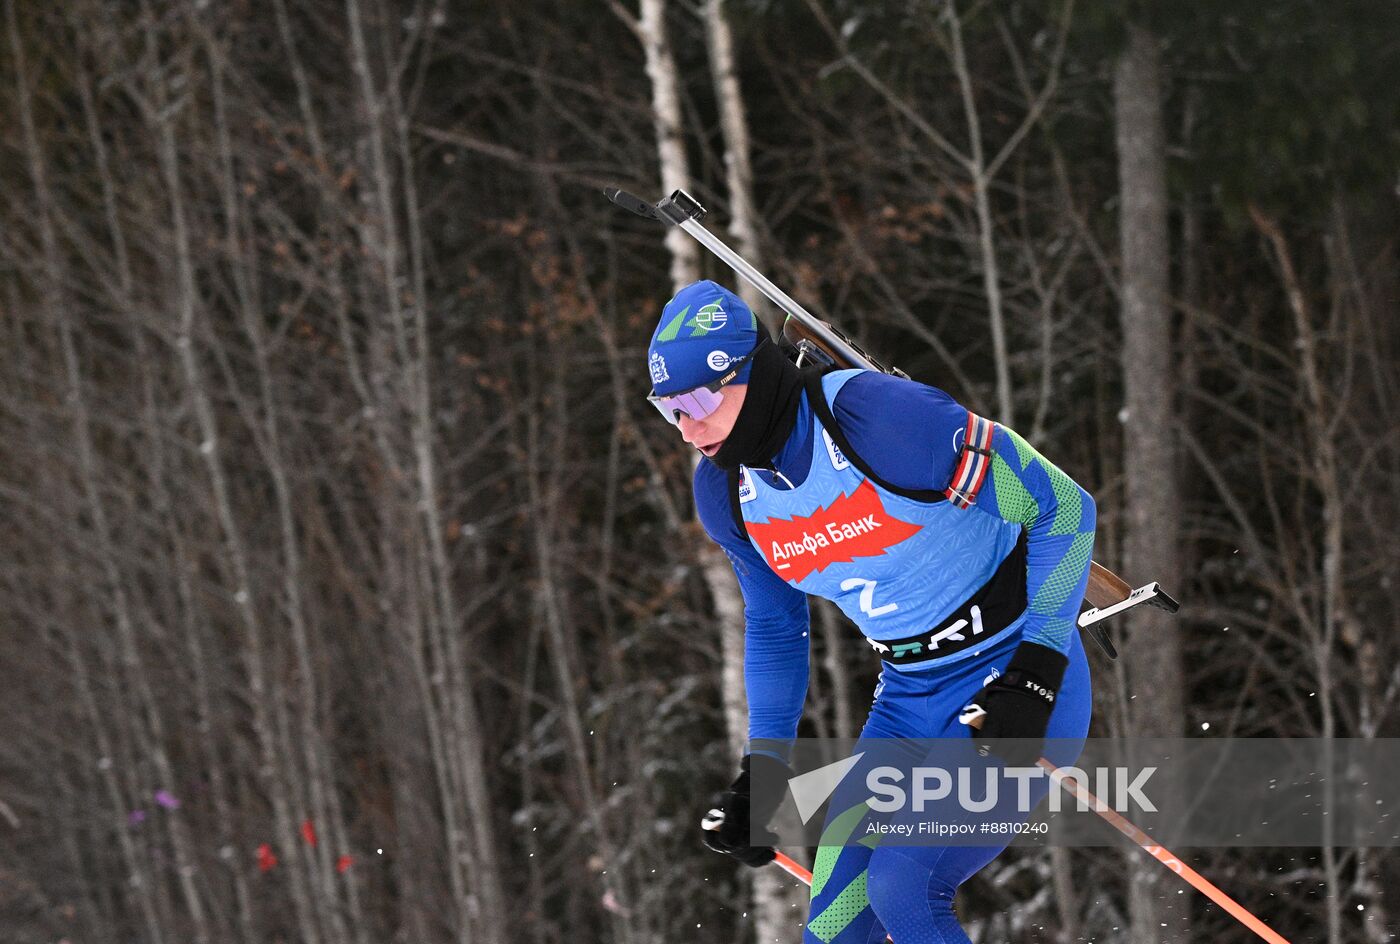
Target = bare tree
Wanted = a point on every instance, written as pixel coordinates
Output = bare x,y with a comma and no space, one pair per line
1152,665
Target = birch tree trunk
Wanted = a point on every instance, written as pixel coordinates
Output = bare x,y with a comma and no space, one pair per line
685,268
775,900
975,164
397,256
738,162
1325,621
1152,654
1356,238
670,141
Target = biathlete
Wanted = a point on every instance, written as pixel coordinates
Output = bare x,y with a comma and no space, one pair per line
958,550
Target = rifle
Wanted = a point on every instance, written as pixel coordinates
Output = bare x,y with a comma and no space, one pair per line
816,340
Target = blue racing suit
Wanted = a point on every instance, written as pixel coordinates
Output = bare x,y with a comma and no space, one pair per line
899,567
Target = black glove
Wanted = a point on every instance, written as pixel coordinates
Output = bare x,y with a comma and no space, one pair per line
725,828
1016,706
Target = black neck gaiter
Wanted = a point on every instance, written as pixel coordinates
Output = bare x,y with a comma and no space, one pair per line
769,412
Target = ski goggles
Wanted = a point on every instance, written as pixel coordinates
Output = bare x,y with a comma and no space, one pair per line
698,402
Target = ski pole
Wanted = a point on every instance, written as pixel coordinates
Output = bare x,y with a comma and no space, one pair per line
792,867
1164,855
1159,852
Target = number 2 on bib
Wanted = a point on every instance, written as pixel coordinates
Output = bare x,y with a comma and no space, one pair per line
867,596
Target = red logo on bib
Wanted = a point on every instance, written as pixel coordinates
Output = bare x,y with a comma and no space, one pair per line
855,525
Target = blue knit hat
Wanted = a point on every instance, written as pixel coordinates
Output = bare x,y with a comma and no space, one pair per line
703,331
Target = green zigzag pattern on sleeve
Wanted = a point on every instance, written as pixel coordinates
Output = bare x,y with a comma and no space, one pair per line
1069,512
1014,502
1063,579
1057,587
1053,633
1024,450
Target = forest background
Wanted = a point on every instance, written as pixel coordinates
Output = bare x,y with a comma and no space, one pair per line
351,590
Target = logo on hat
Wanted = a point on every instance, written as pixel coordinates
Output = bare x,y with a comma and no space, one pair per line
719,360
711,317
659,373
